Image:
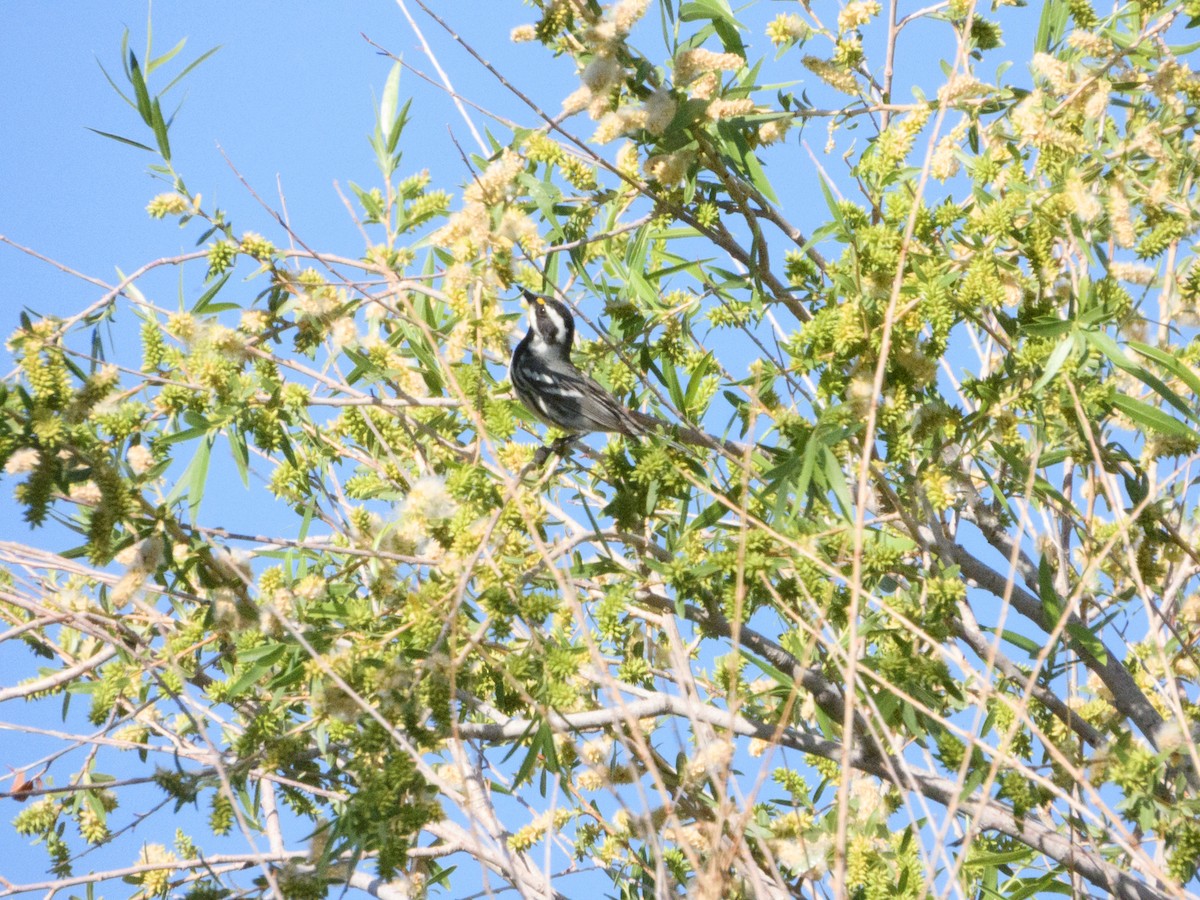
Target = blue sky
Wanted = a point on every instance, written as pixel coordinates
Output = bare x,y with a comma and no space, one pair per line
289,95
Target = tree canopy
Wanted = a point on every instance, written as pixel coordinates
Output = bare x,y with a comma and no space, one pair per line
921,620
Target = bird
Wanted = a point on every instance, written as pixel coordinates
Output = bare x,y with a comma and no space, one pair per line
560,395
553,388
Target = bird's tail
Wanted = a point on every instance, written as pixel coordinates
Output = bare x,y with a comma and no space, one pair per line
685,434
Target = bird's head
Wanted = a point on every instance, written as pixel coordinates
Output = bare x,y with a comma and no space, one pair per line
550,323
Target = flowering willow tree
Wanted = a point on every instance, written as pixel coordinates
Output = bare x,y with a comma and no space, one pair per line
925,622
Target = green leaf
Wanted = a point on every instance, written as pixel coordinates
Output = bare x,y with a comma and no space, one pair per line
393,137
982,858
430,367
139,90
1047,326
547,197
195,431
199,59
268,653
1051,601
807,464
1119,358
149,32
835,209
113,84
253,673
1175,366
194,476
1153,418
1042,487
1088,640
1050,883
674,390
696,382
1052,457
123,140
203,304
306,520
707,517
125,51
160,129
391,96
541,737
835,481
372,205
724,22
735,147
152,64
652,495
1052,26
1055,362
439,876
241,457
363,366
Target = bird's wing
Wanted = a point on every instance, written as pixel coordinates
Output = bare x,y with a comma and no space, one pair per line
595,404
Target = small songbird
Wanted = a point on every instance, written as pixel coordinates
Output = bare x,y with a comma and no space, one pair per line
553,388
559,394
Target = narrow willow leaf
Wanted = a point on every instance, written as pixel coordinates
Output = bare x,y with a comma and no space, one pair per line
391,96
194,477
1088,640
1153,418
1121,360
115,87
204,304
241,455
541,737
152,64
1052,26
1172,364
988,859
835,481
1050,883
123,140
139,90
701,371
199,59
1051,600
1055,362
724,23
160,129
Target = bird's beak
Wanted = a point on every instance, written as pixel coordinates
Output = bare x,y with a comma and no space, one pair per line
531,298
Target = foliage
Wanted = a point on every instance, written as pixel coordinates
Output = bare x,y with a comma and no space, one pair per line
933,630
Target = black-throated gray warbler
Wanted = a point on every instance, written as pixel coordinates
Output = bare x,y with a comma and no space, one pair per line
560,395
553,388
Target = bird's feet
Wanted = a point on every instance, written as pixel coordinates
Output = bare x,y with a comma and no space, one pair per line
560,447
